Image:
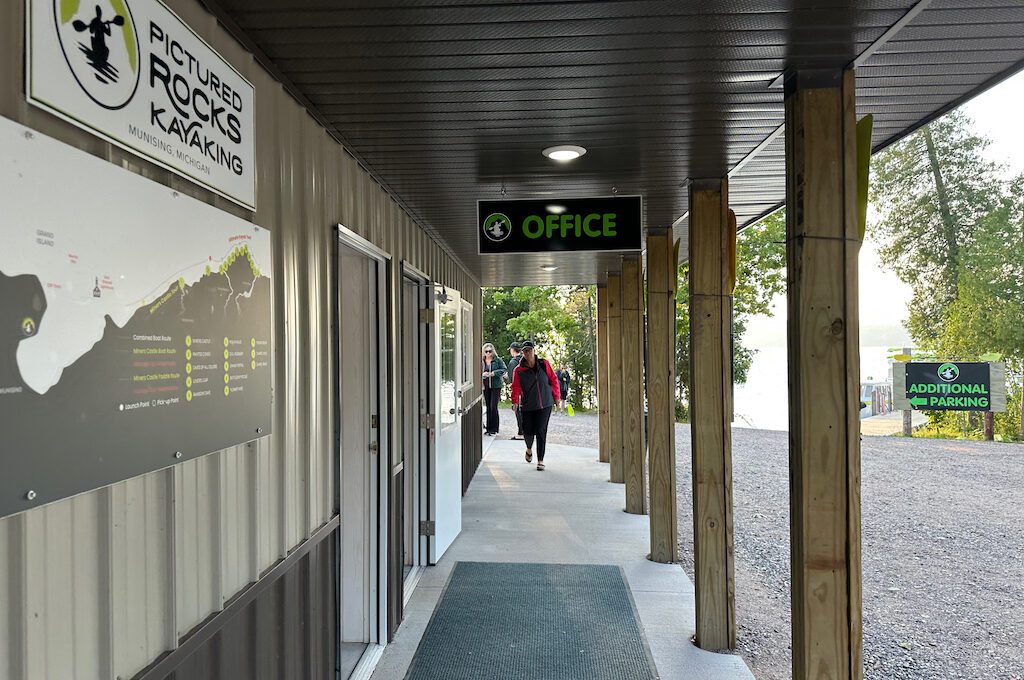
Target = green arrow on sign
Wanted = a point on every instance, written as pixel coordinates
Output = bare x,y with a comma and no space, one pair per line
918,401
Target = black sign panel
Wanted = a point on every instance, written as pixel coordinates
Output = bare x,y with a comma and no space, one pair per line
560,224
949,386
135,324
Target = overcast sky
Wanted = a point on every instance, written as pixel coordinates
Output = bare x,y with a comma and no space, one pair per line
884,298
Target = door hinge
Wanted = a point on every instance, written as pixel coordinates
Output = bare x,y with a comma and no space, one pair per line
427,528
427,421
374,422
427,315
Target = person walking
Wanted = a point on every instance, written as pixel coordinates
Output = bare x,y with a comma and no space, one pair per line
534,392
515,350
563,385
493,370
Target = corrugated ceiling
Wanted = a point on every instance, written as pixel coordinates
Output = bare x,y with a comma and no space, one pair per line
449,102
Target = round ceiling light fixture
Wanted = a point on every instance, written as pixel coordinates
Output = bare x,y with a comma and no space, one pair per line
549,267
564,153
555,209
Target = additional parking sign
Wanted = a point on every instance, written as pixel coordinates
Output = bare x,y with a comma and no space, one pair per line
950,386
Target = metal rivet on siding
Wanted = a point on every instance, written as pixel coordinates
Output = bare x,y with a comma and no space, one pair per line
31,495
177,454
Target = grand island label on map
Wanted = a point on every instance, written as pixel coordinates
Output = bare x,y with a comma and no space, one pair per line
135,323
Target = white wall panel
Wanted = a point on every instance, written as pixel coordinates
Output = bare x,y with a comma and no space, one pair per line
140,563
100,585
197,541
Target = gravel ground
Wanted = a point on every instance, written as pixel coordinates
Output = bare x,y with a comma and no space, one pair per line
943,546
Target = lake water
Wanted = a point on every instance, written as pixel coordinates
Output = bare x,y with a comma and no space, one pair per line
763,401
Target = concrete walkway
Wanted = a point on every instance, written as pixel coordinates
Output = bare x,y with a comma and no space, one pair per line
569,513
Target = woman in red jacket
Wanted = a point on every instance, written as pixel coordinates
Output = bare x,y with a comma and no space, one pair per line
534,392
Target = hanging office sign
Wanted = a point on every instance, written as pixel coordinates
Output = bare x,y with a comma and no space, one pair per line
135,323
953,386
131,72
565,224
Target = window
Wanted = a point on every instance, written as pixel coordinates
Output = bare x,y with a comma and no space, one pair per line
449,402
469,353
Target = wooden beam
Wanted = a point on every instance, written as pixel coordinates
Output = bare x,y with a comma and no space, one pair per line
823,242
602,373
634,451
661,396
711,412
616,471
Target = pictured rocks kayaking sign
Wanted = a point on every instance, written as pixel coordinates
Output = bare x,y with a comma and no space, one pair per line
131,72
952,386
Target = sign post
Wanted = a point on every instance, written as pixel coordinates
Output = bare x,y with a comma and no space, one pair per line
907,413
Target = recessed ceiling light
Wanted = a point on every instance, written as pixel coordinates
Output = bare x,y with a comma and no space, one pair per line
564,152
555,209
548,267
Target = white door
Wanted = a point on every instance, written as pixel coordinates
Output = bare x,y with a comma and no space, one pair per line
446,463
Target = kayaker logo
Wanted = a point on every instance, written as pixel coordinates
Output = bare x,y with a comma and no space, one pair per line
497,227
948,372
101,47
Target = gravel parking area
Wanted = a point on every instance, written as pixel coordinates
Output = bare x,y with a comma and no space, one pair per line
943,542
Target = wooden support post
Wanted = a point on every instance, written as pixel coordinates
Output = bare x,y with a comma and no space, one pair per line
711,412
602,373
908,415
661,395
616,472
634,451
822,245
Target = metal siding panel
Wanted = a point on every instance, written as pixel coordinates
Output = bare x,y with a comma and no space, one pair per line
140,559
12,592
90,586
237,519
197,541
100,585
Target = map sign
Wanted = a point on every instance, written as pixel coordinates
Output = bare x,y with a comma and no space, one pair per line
952,386
135,323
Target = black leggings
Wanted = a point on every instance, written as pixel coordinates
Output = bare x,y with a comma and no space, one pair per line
491,397
535,424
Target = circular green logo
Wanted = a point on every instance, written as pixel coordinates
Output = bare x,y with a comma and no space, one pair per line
948,372
497,227
101,47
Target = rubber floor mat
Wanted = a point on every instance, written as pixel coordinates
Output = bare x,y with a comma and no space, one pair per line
533,622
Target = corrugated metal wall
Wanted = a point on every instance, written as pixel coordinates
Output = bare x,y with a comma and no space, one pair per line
287,631
99,585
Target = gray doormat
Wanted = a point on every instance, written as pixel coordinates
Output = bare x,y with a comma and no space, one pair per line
533,622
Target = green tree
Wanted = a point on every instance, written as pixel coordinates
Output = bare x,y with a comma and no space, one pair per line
500,306
760,276
986,317
559,318
932,188
954,231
